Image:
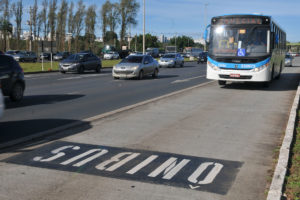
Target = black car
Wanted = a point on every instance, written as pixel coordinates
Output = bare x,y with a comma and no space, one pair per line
80,62
202,57
12,78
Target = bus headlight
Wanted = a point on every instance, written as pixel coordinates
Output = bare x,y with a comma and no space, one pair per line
258,69
214,67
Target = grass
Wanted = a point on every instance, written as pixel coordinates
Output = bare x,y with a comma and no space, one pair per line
292,185
37,67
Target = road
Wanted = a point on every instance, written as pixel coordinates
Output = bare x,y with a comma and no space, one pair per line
206,143
55,99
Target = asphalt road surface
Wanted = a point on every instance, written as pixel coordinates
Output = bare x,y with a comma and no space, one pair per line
55,99
206,143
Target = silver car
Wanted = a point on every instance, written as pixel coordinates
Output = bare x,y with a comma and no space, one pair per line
288,60
171,60
136,66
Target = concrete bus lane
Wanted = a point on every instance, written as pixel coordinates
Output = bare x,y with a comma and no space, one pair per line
208,143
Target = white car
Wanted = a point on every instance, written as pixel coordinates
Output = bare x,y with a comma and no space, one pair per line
1,103
111,55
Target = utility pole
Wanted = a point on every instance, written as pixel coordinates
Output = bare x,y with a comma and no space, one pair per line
205,16
135,42
144,30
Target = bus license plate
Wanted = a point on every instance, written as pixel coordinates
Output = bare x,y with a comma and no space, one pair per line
235,75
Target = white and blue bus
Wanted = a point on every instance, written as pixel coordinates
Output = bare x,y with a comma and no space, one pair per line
245,48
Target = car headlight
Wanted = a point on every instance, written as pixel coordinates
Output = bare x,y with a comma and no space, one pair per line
135,67
257,69
214,67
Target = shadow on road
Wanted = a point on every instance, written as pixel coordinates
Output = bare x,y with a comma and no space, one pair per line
40,99
287,81
14,130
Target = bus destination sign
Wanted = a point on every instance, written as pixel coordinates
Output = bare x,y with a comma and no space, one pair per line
237,20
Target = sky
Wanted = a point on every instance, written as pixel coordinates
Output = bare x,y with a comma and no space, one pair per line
187,17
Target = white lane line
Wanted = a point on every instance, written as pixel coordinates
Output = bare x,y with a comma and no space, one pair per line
70,78
82,76
188,79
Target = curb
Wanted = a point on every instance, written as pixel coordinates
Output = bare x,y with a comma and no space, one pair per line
97,117
275,191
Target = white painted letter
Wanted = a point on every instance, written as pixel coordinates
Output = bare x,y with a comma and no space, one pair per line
142,164
170,168
116,158
210,176
84,155
57,153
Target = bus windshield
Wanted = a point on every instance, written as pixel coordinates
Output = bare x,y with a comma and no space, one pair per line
241,42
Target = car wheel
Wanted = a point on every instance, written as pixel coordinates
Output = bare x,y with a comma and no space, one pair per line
80,70
222,82
98,69
155,73
174,65
141,75
182,64
34,60
63,72
116,77
17,92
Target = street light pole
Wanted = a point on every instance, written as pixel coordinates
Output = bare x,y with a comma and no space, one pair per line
144,30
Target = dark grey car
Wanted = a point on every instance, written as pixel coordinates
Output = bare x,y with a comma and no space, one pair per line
80,62
25,56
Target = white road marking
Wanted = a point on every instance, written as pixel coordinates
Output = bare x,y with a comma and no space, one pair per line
210,176
57,153
188,79
142,164
79,156
116,158
193,187
82,76
83,162
170,168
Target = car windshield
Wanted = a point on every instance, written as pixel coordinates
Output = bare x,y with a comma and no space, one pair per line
234,41
12,52
76,57
169,56
133,59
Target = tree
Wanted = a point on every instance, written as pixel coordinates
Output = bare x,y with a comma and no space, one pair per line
128,10
111,38
52,19
78,22
182,41
44,18
71,26
150,41
113,17
61,25
34,21
4,19
90,22
17,9
104,17
5,28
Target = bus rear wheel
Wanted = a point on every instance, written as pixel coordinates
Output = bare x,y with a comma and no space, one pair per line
221,82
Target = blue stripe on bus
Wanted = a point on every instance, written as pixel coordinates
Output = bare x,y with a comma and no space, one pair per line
238,66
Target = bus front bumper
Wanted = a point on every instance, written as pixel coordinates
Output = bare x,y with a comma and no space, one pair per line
239,75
